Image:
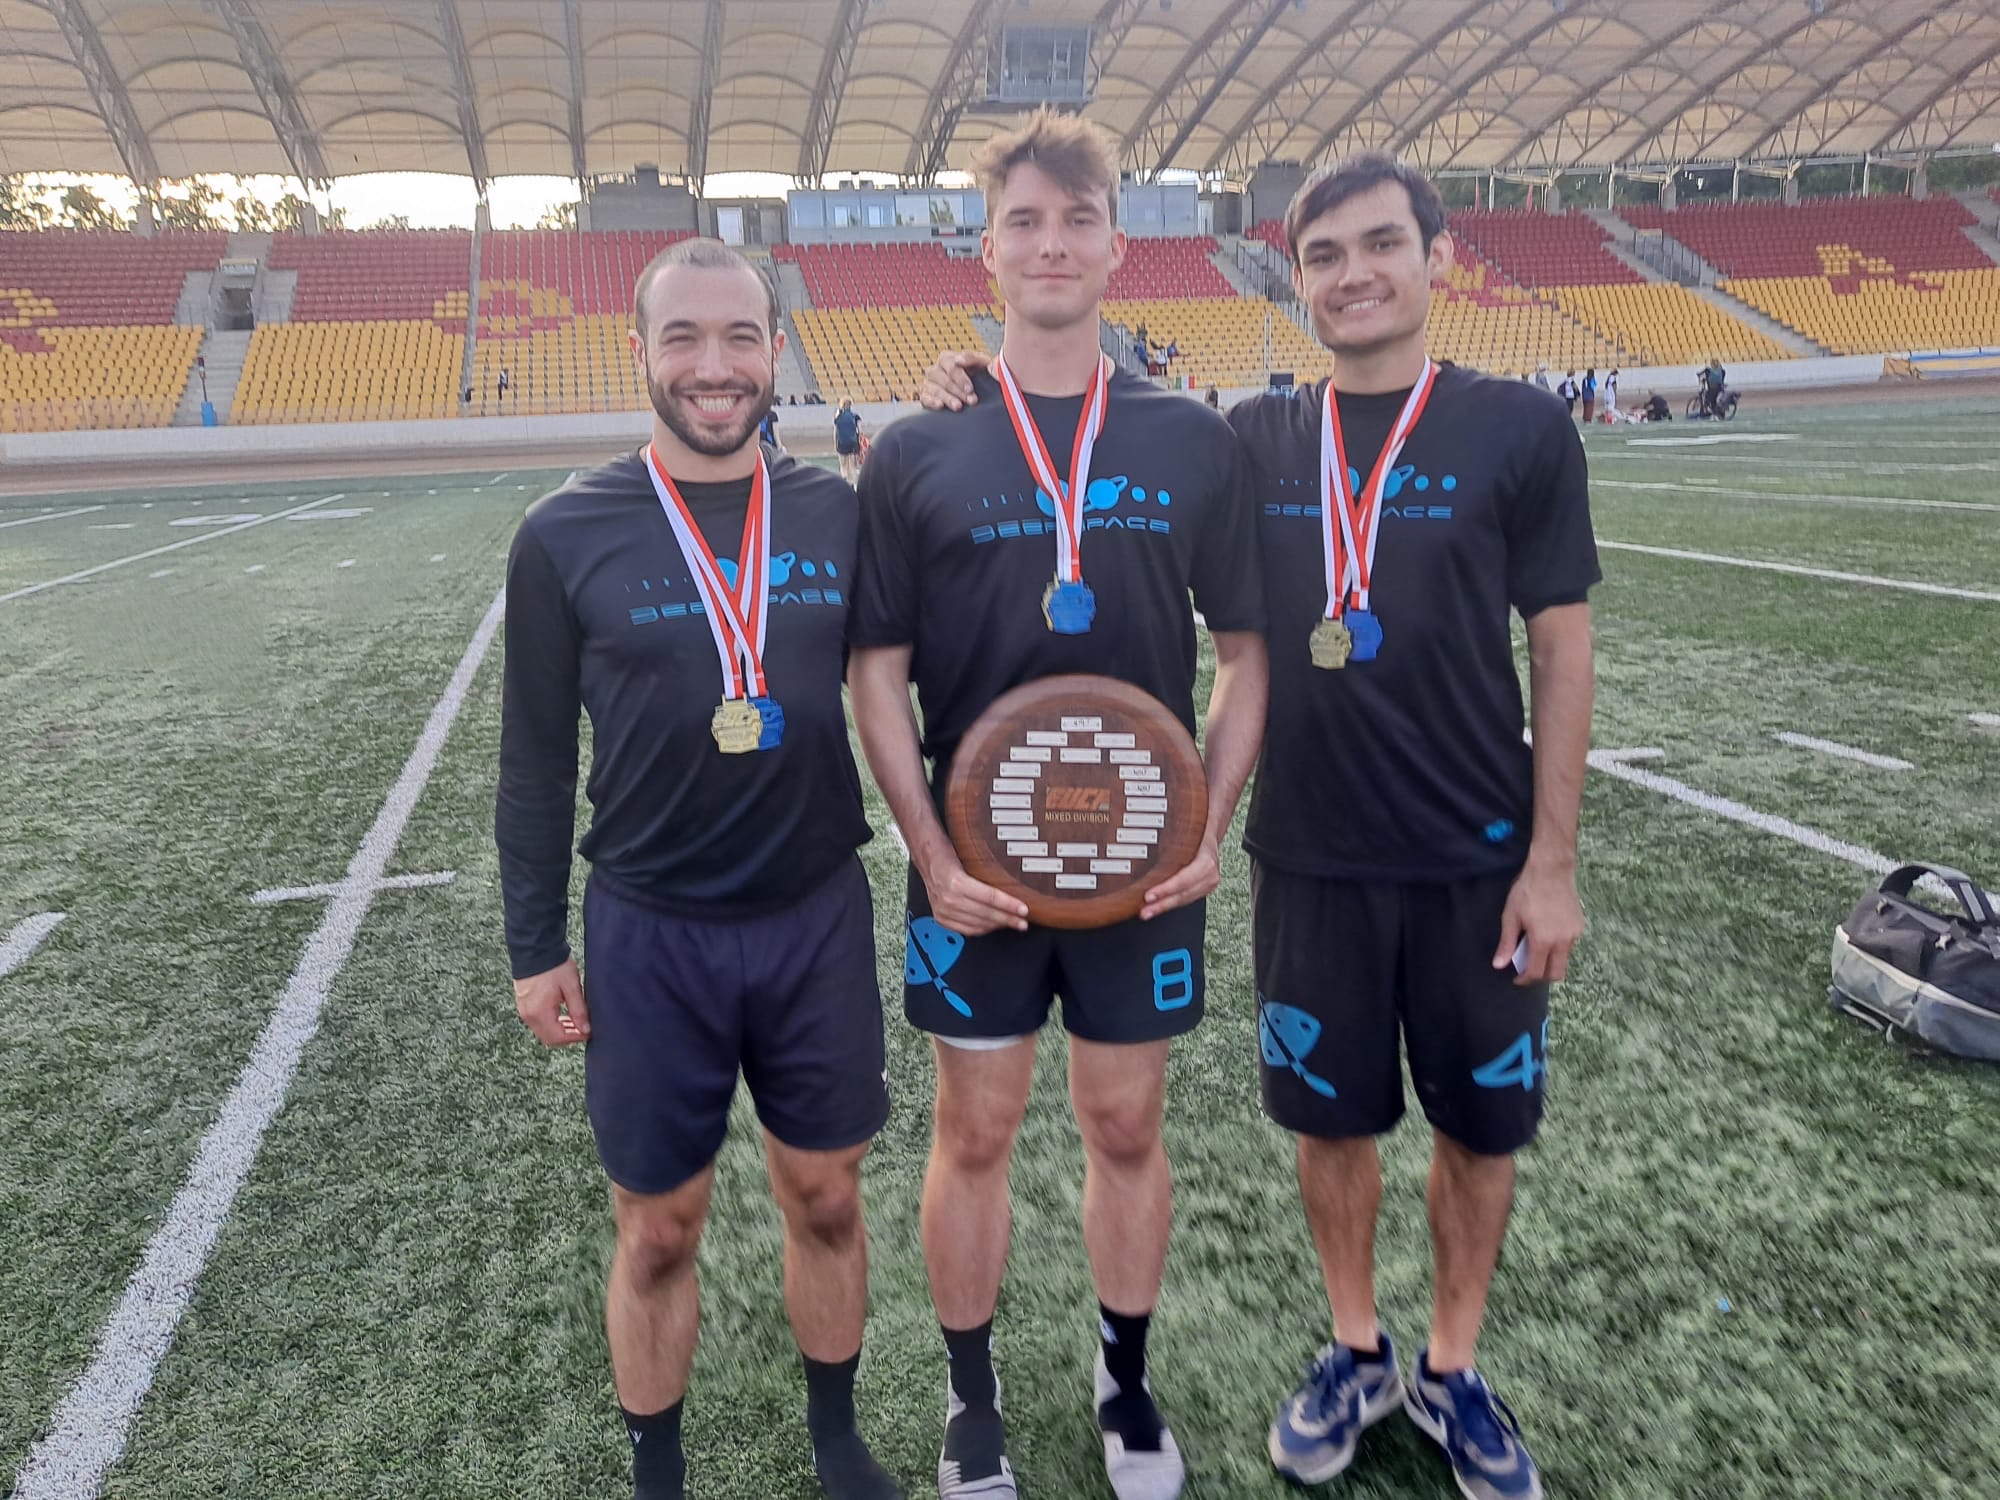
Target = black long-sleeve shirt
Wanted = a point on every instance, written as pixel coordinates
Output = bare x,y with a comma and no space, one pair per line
603,617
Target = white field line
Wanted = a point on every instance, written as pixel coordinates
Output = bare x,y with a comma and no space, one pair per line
1844,752
1913,586
57,515
275,894
1718,490
1618,764
1985,721
28,935
498,477
193,541
1841,465
89,1429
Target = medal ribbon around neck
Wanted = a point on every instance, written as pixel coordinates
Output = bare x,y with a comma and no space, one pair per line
1351,524
1069,504
736,617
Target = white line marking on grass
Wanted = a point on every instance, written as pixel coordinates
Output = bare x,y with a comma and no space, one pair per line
114,526
1985,721
280,893
58,515
193,541
348,514
229,520
1845,752
254,568
1719,491
1617,763
437,557
498,477
346,562
161,573
1834,465
19,945
1709,440
1913,586
89,1429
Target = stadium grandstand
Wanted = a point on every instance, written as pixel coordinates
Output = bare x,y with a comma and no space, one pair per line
1584,147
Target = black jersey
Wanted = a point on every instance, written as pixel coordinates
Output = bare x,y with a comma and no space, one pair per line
958,544
1412,766
603,616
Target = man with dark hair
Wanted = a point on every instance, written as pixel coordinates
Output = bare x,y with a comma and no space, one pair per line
1413,877
955,593
847,439
1413,861
727,921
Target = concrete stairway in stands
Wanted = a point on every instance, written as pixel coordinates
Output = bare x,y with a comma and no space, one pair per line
1620,245
224,353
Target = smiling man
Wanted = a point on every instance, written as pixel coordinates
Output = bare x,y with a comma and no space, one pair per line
1413,861
1058,527
691,598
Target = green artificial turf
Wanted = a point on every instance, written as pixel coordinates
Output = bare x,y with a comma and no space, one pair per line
1754,1252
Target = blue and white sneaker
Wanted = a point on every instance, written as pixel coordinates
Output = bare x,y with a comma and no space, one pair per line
1316,1430
1477,1431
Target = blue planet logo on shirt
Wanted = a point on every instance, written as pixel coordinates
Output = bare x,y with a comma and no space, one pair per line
1102,495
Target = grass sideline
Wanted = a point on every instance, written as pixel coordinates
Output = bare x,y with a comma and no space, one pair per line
1752,1253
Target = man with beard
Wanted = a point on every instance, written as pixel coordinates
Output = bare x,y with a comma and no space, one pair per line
727,921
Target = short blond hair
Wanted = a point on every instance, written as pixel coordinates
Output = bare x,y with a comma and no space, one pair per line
1078,154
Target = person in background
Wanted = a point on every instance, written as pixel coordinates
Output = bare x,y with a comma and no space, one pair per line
1214,399
1589,392
847,439
1611,398
1567,390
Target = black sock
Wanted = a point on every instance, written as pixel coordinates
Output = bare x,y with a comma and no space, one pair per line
1124,1345
975,1439
847,1470
971,1353
830,1396
659,1468
1131,1413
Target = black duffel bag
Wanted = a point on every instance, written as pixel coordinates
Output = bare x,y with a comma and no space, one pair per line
1904,967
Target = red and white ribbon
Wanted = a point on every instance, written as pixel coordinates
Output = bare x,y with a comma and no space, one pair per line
1350,524
1068,501
736,617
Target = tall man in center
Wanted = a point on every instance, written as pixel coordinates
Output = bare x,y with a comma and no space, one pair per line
964,590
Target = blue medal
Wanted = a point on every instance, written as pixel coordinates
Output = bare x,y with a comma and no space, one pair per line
1367,633
771,733
1069,607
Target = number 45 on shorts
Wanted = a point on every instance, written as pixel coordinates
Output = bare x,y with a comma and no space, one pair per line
1519,1064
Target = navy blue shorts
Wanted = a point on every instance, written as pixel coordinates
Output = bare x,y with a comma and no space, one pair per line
1131,982
678,1006
1346,971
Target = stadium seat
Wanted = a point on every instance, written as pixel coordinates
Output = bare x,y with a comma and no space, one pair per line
880,354
889,276
86,327
350,372
554,310
1855,275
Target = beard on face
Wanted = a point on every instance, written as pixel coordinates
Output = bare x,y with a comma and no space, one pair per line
673,410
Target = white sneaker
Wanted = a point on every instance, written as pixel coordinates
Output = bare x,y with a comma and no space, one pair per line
1138,1475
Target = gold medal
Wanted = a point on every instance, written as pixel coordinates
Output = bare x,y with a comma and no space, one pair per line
1331,645
737,726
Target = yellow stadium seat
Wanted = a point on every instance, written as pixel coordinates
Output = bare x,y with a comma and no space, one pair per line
94,377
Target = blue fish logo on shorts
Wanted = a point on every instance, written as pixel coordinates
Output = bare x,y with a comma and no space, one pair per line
928,956
1287,1036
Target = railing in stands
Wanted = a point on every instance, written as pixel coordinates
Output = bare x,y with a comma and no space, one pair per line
1671,258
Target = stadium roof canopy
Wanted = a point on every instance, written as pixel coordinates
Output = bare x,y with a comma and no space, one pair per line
328,88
